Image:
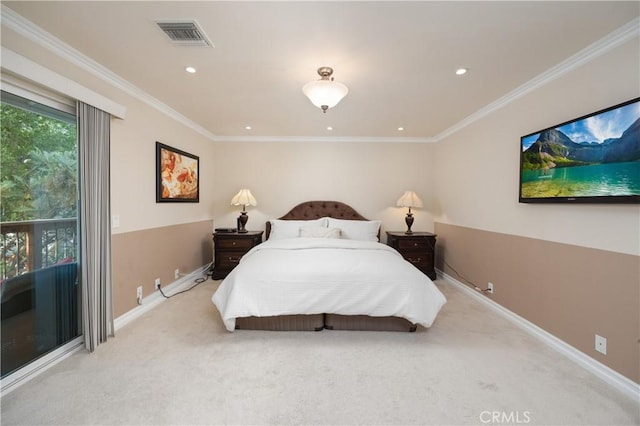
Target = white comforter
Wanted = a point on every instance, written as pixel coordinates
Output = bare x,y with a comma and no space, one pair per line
326,275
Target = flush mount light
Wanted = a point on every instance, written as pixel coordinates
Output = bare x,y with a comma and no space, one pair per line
400,129
329,128
325,93
247,127
190,70
461,71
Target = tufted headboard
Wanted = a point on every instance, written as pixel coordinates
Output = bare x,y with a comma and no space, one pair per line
310,210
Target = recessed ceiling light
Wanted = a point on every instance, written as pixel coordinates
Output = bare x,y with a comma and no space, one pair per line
247,127
400,129
190,70
329,128
461,71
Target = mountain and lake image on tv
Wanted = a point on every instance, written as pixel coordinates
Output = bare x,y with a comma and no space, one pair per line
592,159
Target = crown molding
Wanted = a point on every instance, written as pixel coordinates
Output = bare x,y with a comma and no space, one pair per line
36,34
16,65
31,31
600,47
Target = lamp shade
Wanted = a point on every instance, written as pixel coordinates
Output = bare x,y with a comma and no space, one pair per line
409,199
244,198
325,93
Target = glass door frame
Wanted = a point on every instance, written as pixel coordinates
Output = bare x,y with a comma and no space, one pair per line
12,380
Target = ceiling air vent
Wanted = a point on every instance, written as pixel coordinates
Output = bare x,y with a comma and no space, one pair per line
184,33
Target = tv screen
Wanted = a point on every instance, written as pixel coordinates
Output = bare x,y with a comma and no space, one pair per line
592,159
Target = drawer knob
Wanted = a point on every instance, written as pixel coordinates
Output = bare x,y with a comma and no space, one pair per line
233,243
415,244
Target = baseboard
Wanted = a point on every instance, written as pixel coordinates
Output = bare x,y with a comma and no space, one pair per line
612,377
156,298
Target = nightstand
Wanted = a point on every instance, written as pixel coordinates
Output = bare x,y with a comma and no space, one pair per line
228,249
419,248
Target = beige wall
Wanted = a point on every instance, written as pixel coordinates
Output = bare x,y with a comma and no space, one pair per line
139,257
577,273
368,176
154,238
572,292
133,169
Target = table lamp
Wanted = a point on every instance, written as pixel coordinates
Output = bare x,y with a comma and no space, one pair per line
409,199
243,198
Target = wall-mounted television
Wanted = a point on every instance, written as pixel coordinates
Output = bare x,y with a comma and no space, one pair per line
592,159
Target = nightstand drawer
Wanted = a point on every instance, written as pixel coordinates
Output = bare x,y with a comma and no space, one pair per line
420,260
413,243
228,243
229,260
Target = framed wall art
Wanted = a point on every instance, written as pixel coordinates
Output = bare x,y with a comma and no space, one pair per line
177,174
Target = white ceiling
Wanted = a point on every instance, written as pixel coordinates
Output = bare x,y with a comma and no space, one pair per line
397,58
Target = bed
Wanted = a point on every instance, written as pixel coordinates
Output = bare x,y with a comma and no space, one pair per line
322,267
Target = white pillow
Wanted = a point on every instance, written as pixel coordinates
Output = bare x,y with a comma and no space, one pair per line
291,228
362,230
319,232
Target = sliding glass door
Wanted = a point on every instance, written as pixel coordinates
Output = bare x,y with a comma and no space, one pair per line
39,230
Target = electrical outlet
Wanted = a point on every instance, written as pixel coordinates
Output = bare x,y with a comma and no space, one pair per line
176,274
139,294
601,344
490,288
157,282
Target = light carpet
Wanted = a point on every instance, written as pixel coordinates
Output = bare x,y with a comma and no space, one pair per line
178,365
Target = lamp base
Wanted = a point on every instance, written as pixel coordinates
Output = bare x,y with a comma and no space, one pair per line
242,221
409,220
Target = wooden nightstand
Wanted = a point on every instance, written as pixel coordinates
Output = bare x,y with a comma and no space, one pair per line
418,248
229,247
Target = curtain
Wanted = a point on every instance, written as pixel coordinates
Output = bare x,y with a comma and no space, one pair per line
95,229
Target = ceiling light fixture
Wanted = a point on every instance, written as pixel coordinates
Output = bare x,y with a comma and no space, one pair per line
190,70
461,71
325,93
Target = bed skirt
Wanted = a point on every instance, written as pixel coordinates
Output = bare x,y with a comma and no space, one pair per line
282,323
318,322
367,323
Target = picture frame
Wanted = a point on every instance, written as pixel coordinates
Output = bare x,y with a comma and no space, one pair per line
177,175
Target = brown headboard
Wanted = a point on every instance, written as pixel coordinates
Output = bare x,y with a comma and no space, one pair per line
310,210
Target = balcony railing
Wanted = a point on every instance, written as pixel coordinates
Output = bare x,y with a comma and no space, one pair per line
34,244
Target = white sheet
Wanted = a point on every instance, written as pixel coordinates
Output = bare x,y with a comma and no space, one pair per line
318,275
